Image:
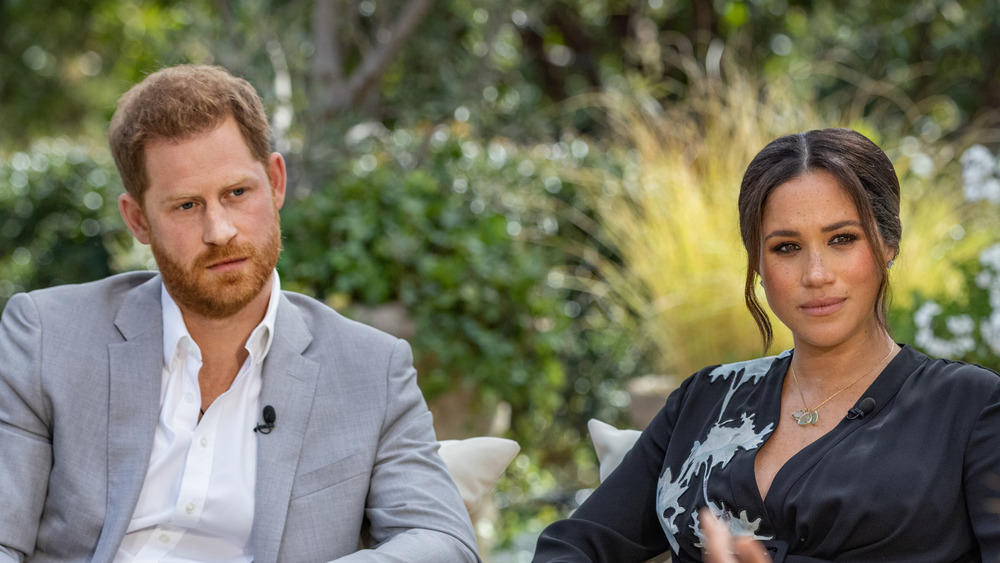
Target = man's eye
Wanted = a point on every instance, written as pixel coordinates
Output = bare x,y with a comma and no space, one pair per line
239,191
187,205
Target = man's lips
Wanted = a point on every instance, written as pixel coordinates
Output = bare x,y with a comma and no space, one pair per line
824,306
227,264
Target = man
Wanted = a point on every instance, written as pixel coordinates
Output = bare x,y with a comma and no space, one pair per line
201,414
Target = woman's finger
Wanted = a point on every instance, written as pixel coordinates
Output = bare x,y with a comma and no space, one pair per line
749,550
718,541
720,547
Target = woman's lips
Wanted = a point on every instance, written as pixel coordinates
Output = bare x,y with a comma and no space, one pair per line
825,306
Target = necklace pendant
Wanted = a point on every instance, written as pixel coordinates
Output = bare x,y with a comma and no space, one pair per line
805,417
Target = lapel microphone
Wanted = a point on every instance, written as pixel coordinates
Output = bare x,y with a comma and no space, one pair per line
268,421
866,406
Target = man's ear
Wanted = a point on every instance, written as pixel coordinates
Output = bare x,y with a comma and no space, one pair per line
278,177
134,218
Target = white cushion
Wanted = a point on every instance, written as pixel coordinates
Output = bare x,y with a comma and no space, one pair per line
475,464
610,444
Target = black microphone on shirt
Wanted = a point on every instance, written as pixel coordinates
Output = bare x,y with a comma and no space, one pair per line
268,421
866,406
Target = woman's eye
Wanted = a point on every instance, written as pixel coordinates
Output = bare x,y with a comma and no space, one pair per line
844,239
786,247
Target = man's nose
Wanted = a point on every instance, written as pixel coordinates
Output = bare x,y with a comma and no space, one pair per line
218,228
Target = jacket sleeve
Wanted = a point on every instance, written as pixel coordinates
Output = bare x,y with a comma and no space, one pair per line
25,435
618,522
10,556
982,478
414,509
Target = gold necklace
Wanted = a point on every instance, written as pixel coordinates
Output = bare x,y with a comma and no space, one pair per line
806,415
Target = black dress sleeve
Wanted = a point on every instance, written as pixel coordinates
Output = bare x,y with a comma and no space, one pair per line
618,522
982,479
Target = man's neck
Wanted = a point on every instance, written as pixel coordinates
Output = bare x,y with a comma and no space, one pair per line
224,340
223,343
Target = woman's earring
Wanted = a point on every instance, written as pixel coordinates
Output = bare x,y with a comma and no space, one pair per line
762,282
889,265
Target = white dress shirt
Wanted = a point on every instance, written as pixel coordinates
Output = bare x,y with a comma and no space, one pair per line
197,500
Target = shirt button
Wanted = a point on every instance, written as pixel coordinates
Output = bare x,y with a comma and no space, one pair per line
164,538
204,442
189,508
189,398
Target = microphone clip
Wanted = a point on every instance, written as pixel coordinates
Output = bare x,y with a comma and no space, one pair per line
866,406
268,423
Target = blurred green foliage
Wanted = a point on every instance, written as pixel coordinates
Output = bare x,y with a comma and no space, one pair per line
58,216
960,320
473,239
63,63
448,247
965,327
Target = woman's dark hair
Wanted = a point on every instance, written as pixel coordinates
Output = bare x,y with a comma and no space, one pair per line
861,169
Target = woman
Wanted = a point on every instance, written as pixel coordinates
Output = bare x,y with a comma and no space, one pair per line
849,447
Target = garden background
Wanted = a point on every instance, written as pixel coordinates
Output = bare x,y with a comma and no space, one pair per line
539,196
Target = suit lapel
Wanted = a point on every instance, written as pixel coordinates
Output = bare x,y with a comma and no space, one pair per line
136,368
289,383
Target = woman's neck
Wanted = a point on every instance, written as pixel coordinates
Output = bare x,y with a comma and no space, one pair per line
834,366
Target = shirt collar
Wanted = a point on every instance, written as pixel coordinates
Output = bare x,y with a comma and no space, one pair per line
175,333
260,339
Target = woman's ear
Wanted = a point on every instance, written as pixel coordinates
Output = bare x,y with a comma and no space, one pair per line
892,252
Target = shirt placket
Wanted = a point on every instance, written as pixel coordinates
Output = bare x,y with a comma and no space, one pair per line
194,483
197,475
200,453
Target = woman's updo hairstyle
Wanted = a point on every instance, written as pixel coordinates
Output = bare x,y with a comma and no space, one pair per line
859,166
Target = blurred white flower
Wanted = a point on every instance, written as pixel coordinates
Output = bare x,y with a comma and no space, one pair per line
960,327
980,175
983,279
926,313
990,330
990,257
990,281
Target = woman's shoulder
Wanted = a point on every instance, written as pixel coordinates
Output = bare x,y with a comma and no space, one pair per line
953,376
726,381
737,373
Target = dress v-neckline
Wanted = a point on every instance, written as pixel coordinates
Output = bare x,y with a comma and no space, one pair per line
882,388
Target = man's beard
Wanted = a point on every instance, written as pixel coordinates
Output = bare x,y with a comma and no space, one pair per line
221,295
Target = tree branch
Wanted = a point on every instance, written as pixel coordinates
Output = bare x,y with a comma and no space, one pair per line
330,88
374,63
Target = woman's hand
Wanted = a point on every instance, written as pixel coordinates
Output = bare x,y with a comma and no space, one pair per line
721,547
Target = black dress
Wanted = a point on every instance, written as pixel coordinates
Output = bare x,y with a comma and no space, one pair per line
917,478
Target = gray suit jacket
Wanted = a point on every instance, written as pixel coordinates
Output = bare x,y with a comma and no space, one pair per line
353,443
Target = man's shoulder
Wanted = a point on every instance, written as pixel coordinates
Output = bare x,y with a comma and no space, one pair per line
323,320
87,311
99,294
116,285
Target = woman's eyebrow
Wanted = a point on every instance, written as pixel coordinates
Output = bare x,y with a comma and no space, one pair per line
831,227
